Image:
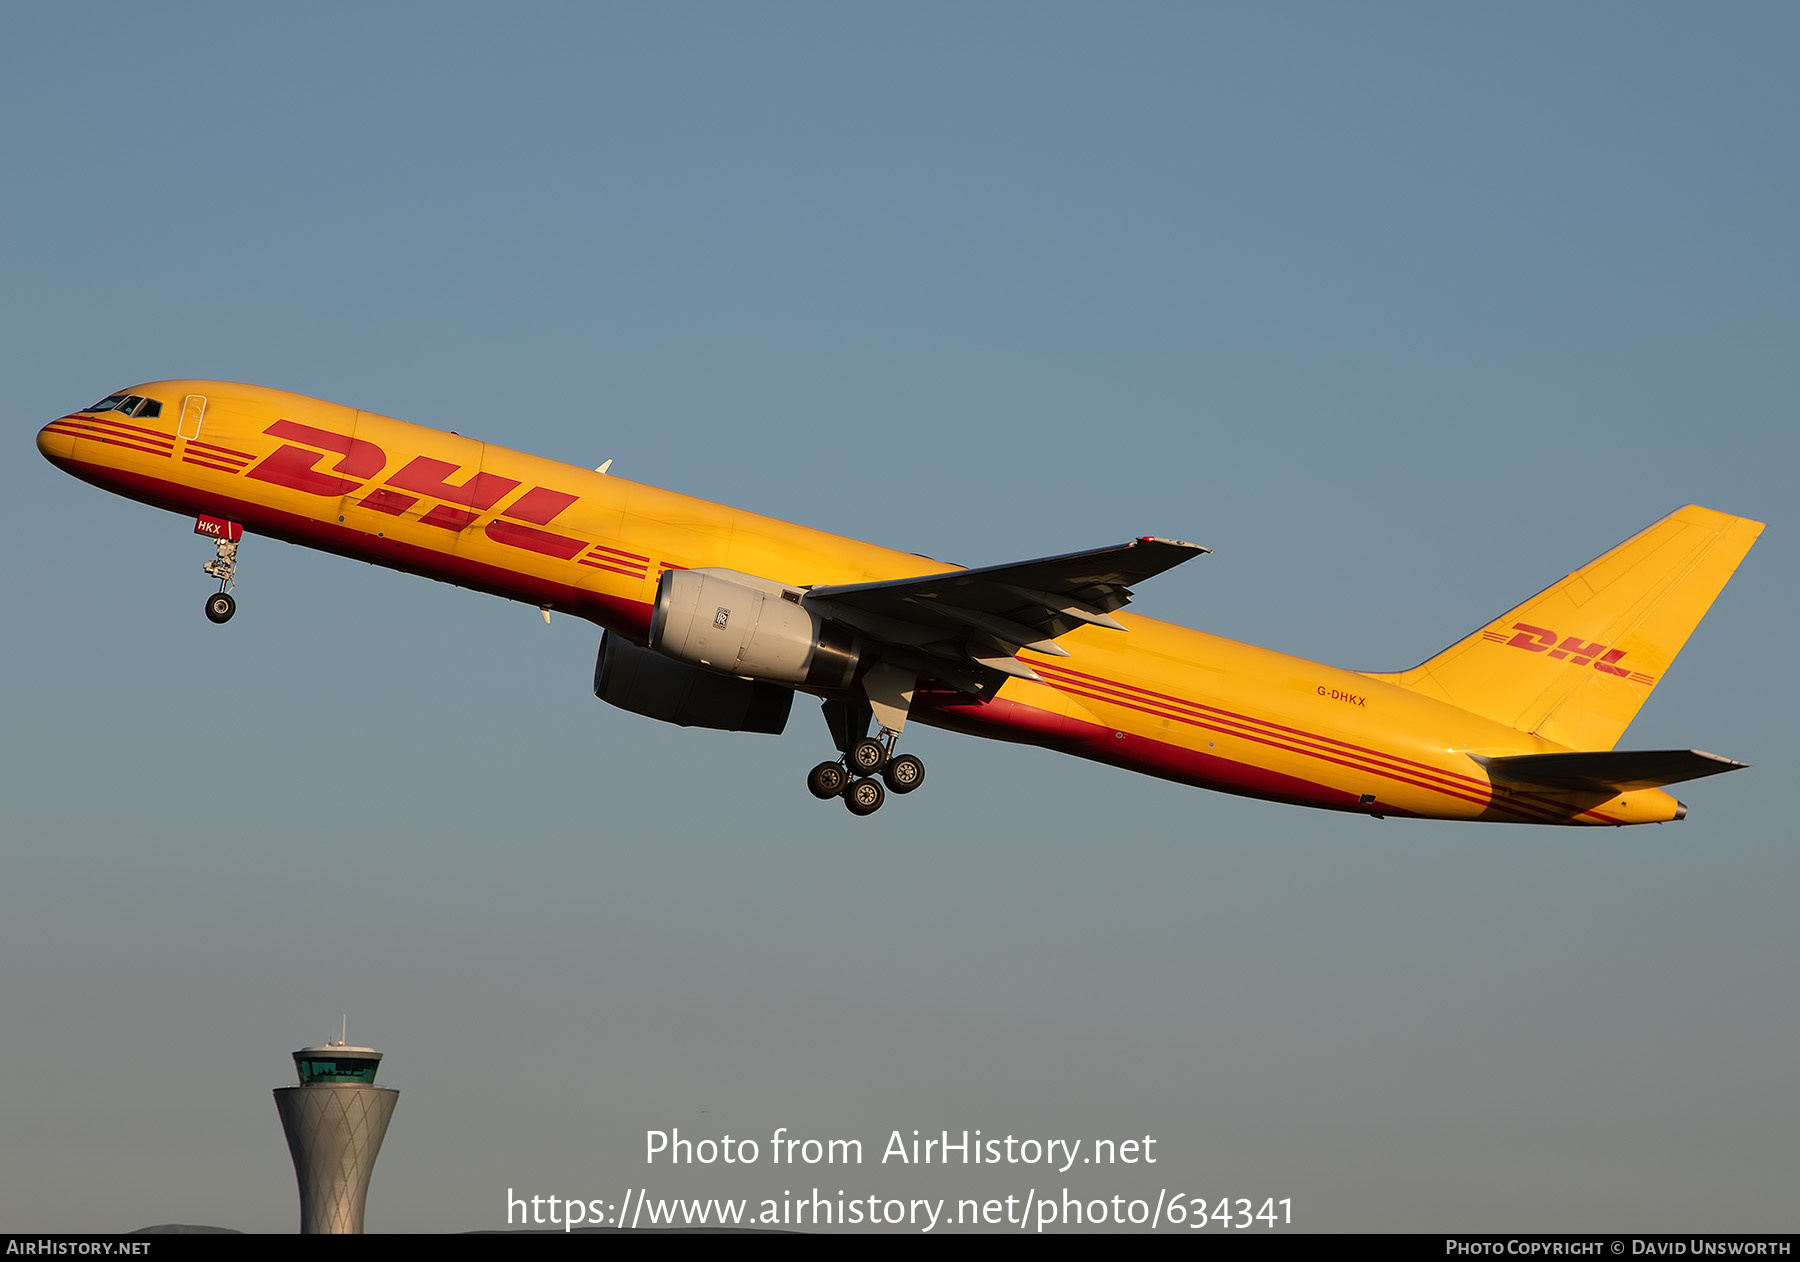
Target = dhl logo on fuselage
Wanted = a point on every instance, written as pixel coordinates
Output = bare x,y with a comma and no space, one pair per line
458,506
1532,639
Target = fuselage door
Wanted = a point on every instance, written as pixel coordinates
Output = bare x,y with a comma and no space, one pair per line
193,411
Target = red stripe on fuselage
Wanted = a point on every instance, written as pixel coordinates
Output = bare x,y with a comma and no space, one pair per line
1450,783
1003,718
1215,718
225,451
109,438
106,420
1290,747
222,468
620,552
601,565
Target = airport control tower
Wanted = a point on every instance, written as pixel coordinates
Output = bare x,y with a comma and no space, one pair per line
335,1120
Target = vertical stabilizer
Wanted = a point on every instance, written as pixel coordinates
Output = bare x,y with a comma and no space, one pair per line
1574,663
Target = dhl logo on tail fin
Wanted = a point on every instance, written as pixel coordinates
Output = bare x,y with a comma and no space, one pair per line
1595,644
1540,639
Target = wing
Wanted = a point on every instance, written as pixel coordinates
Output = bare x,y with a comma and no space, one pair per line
951,621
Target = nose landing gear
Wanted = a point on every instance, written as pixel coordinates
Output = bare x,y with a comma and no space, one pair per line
225,536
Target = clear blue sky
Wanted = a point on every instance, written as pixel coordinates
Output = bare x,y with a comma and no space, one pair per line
1404,309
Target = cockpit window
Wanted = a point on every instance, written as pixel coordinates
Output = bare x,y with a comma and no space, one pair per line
130,404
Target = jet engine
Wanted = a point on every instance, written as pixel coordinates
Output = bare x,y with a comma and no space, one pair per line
647,683
739,624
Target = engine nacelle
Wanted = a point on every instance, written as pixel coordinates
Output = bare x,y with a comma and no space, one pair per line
658,687
739,624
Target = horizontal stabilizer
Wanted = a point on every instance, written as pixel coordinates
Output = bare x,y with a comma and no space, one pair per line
1613,770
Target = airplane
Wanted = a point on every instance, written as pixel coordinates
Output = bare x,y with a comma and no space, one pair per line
716,617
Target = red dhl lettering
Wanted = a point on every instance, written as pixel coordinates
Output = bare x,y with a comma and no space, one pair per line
459,505
1536,639
1606,663
432,478
1572,649
294,467
1582,653
541,506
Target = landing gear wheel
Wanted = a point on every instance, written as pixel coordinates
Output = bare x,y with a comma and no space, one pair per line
865,797
220,606
827,780
904,773
866,757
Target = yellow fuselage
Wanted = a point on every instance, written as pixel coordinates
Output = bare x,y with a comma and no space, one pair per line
1162,699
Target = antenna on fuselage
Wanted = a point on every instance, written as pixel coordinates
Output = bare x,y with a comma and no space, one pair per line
603,468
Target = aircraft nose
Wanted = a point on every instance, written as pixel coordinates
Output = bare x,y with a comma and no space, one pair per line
56,441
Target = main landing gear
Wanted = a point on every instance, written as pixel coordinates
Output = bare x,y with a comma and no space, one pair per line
868,763
858,777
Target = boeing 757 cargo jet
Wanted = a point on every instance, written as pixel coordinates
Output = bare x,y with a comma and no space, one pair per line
715,617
